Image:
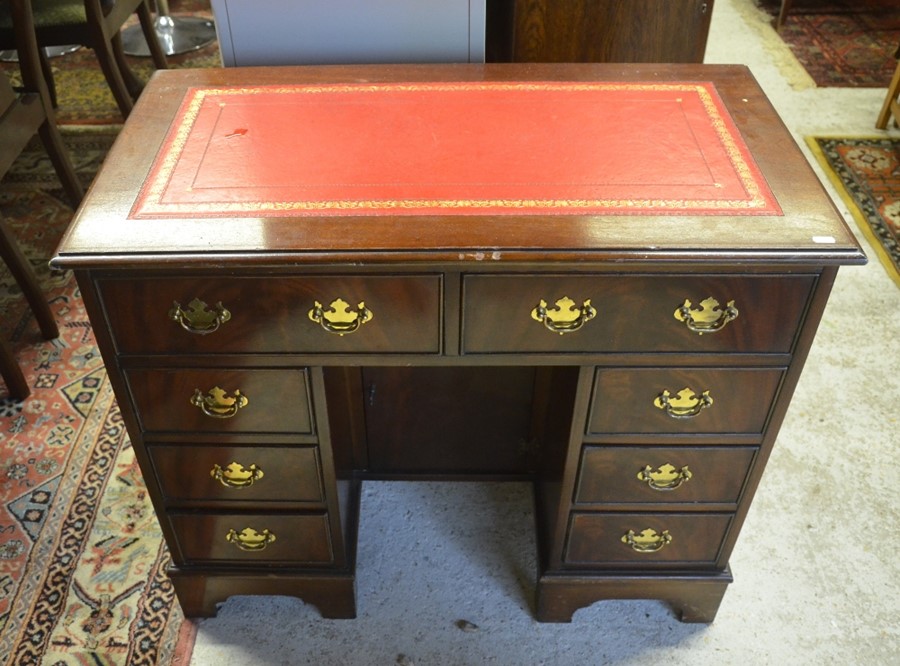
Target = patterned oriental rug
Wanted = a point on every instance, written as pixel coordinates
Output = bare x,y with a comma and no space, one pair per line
866,172
82,562
842,43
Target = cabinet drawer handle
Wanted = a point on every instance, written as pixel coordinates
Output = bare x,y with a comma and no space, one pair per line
339,318
648,541
666,477
708,318
248,539
686,406
565,317
217,404
197,318
236,475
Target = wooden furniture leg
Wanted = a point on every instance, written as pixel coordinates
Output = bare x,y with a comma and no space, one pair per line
891,105
11,373
148,27
21,115
47,72
39,112
782,13
95,24
18,265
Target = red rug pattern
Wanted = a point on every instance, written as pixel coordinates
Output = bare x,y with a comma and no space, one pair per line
866,171
82,561
842,43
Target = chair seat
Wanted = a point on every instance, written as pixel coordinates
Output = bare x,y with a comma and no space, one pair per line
49,12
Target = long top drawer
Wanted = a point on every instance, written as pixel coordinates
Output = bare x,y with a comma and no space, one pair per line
633,313
271,314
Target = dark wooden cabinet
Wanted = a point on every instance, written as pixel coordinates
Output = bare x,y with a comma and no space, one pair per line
627,341
671,31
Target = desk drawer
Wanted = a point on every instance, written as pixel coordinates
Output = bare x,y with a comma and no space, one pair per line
682,400
646,539
669,474
221,400
632,313
275,314
296,538
238,473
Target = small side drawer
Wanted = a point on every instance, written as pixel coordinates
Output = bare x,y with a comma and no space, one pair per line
598,539
682,400
221,400
632,313
301,539
667,474
275,314
238,473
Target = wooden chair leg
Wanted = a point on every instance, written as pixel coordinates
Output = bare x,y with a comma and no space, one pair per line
18,265
891,105
65,170
12,373
132,82
148,27
107,60
37,77
782,13
47,72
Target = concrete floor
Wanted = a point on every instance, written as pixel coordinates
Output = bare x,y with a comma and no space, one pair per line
817,578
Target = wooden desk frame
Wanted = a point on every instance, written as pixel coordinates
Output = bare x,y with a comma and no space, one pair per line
594,406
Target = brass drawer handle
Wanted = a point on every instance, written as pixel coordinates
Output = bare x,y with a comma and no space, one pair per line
565,317
197,318
236,475
248,539
648,541
339,318
708,318
666,477
217,404
686,406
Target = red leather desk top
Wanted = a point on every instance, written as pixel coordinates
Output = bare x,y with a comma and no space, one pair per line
454,149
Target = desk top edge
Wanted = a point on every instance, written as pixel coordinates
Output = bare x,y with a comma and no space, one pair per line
811,230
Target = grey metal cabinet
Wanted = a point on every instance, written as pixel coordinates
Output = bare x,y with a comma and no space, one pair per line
282,32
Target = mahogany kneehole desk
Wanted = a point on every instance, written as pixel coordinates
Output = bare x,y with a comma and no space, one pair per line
603,279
